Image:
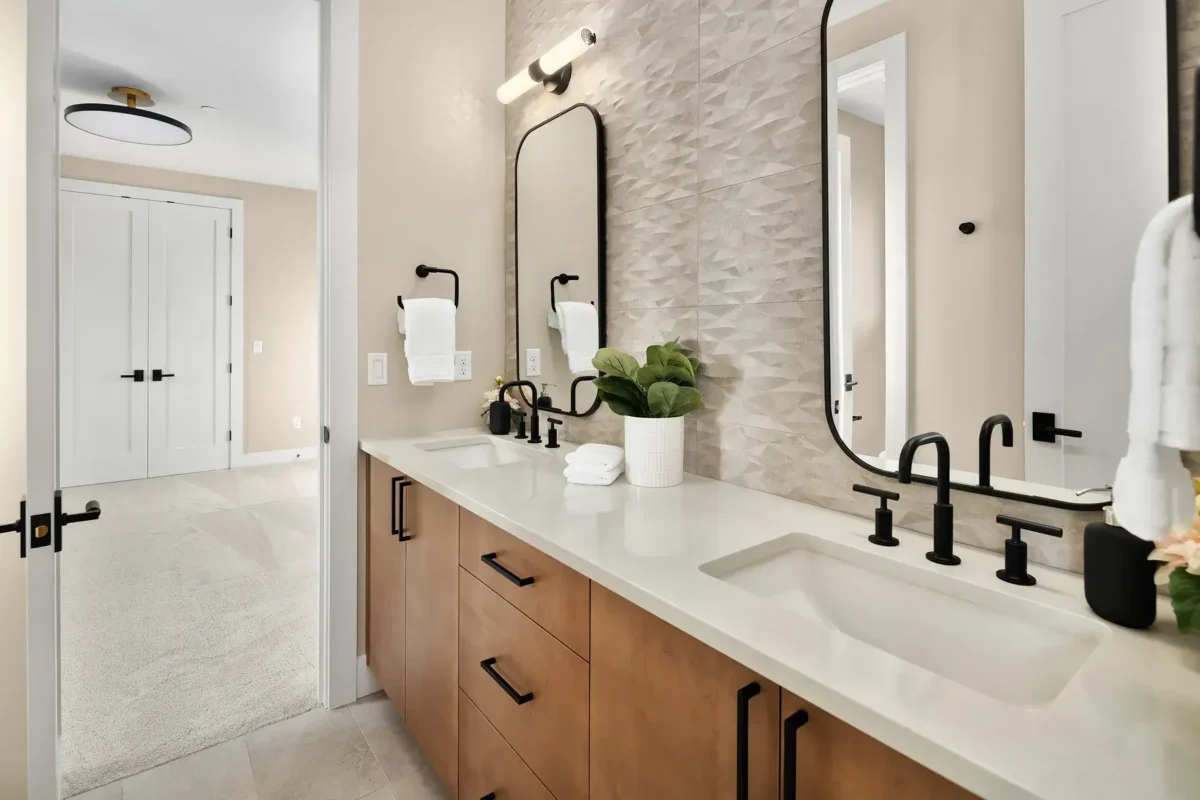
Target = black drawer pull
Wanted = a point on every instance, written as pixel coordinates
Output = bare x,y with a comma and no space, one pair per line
488,665
399,483
489,796
791,726
490,560
743,738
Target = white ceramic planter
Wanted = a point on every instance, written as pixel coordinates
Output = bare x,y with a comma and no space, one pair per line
654,452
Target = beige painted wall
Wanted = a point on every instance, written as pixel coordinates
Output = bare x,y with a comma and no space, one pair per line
280,295
867,287
966,159
12,400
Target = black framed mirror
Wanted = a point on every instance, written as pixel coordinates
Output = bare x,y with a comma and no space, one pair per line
560,258
989,170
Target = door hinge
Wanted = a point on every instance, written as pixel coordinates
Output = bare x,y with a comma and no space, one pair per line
230,299
230,231
230,435
325,434
231,369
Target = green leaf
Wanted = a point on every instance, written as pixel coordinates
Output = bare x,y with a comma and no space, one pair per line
670,400
672,345
1185,599
615,387
614,362
656,355
651,374
695,364
620,407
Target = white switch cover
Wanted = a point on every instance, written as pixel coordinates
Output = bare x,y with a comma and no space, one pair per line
257,348
533,363
462,365
295,422
376,369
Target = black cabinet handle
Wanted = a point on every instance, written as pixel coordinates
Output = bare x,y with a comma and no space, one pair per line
158,374
138,376
399,484
490,560
489,796
743,738
488,665
791,726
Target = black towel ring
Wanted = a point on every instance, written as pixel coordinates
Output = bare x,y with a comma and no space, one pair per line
424,272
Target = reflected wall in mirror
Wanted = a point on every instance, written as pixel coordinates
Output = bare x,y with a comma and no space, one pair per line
560,211
991,168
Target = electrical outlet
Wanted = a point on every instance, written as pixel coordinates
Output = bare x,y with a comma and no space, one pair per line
533,363
462,365
295,422
257,348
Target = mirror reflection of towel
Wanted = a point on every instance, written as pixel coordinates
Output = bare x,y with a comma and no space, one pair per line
579,324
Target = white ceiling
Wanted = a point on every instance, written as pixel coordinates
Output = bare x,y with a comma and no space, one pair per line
845,9
256,61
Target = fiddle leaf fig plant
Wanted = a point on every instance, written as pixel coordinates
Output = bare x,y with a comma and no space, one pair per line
663,387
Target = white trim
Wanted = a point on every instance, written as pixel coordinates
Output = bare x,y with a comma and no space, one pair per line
280,456
237,281
367,685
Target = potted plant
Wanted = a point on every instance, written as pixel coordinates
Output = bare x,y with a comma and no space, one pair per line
653,398
1179,553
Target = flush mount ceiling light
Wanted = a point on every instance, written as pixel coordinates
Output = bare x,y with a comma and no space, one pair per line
128,123
552,70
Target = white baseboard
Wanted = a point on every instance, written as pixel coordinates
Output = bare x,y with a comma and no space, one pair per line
276,457
366,681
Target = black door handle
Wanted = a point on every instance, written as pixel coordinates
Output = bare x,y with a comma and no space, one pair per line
791,726
138,376
18,528
158,375
1046,430
856,418
743,738
490,560
399,484
91,512
489,667
850,383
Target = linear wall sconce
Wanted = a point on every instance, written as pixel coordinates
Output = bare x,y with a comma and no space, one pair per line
553,70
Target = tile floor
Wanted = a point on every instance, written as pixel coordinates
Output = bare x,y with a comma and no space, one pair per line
362,752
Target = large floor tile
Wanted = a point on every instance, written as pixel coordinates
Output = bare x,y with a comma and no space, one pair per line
320,755
397,752
218,773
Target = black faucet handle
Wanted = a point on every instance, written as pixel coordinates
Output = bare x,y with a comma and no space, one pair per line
883,515
882,494
1016,552
553,435
1019,525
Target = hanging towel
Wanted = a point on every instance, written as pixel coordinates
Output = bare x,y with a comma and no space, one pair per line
604,457
1152,490
429,340
588,476
579,325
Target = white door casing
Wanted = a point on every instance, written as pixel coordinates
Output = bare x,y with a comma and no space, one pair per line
103,277
1097,170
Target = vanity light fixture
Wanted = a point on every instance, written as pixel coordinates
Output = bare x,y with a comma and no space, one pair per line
128,123
553,70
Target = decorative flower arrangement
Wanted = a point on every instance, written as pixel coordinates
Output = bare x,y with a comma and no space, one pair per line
492,396
1180,556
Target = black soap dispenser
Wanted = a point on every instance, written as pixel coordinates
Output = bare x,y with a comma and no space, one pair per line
1118,575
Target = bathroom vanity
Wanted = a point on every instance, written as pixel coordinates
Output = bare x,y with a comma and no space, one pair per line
546,640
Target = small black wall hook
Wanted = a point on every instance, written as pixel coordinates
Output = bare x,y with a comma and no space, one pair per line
424,271
967,228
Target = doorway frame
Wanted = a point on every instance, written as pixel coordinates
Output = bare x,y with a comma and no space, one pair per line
337,201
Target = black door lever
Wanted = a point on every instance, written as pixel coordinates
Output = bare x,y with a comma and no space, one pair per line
18,528
91,512
1045,430
158,375
138,376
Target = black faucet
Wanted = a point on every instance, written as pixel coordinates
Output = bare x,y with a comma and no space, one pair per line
943,512
985,445
534,435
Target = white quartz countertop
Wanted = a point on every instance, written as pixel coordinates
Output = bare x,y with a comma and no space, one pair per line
1126,727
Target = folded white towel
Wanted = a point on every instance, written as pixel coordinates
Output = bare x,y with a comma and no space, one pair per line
579,325
601,456
429,340
586,476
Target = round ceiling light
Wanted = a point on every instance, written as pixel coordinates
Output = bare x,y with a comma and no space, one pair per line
128,123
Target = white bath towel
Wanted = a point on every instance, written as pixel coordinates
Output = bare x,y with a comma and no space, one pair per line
597,456
429,340
1152,491
588,476
579,325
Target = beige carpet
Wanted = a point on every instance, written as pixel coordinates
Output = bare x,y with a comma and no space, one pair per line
189,616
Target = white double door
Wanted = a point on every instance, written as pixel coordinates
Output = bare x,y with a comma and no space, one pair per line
144,338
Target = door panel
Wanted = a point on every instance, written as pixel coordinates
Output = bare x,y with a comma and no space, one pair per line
189,338
103,270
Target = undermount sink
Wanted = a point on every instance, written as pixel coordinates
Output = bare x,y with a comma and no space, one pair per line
479,452
1013,650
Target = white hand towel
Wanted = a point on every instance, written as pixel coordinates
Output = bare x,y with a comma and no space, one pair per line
579,325
601,456
429,340
585,476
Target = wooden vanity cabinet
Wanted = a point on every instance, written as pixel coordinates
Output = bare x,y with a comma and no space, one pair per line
665,713
385,581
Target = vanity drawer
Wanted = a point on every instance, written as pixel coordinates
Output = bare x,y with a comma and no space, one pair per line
558,598
486,763
529,685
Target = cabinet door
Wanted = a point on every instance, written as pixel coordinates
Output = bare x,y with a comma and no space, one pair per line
665,713
834,761
385,581
431,629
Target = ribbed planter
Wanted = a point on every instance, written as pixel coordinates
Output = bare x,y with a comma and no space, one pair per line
654,452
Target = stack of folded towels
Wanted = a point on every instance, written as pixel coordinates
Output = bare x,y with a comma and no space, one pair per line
595,465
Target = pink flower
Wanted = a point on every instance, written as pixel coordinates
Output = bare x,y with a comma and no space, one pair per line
1179,550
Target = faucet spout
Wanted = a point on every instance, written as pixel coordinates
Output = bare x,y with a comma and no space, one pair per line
985,445
943,511
534,432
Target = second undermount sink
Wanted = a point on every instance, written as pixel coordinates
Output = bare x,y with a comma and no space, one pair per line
478,452
1008,648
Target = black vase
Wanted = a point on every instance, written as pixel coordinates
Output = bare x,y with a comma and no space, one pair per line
1118,577
500,418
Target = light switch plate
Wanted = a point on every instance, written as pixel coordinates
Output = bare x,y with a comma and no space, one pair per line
533,363
462,365
377,369
257,348
295,422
